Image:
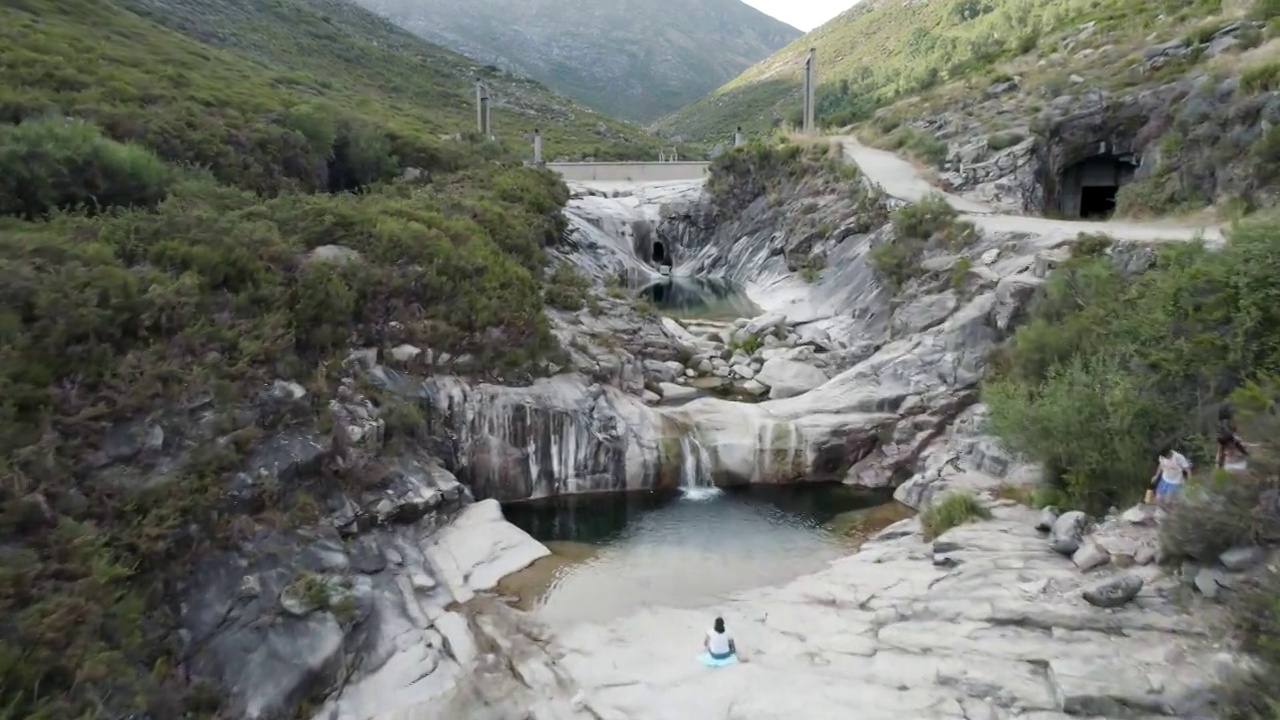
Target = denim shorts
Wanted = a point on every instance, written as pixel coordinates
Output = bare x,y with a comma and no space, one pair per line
1166,489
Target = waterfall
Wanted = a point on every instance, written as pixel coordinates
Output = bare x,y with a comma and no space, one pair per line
695,469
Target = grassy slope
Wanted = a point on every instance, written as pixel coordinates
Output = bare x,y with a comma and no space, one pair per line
197,287
221,58
882,50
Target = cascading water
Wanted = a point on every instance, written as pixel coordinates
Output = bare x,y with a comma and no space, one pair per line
695,469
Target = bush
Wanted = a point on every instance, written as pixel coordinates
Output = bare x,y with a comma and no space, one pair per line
1155,196
918,228
1003,141
895,262
567,289
924,219
920,144
48,164
737,177
1110,367
951,510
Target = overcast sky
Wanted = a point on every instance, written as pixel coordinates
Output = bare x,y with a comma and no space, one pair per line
804,14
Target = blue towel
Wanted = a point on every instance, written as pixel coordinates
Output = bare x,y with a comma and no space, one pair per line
706,659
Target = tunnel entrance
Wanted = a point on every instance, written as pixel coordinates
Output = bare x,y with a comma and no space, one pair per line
1089,187
660,254
1098,202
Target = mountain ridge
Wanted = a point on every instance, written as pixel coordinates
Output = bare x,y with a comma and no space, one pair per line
626,60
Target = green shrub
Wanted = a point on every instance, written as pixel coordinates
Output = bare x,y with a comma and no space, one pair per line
1091,424
960,271
1089,245
1110,367
895,262
1264,10
952,510
924,219
52,163
919,227
1005,140
920,144
567,289
761,167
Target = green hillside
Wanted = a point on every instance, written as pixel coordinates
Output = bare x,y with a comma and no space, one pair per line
201,199
232,63
879,51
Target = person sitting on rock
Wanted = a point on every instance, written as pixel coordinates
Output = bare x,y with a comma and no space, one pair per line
1232,454
718,642
1172,469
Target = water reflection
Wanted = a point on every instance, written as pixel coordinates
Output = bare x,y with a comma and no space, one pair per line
695,298
588,517
616,552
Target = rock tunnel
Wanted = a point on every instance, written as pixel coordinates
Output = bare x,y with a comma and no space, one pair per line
1081,161
660,253
1087,189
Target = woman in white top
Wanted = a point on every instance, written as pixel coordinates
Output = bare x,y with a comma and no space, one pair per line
718,642
1172,469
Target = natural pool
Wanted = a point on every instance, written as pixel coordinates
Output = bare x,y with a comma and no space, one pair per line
689,298
617,552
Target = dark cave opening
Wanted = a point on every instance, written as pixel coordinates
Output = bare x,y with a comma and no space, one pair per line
660,254
1098,202
1088,189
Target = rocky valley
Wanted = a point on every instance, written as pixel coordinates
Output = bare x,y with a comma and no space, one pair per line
317,406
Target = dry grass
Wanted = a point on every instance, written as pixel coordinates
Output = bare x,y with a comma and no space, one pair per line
1235,63
1021,494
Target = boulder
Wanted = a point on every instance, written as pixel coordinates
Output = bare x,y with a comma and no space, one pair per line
788,378
1113,592
1090,555
479,548
675,393
1242,558
1048,516
765,324
1067,532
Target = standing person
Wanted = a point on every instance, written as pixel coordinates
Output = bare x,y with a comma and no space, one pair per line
718,642
1172,469
1232,454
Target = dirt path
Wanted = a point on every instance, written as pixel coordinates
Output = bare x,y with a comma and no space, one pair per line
901,180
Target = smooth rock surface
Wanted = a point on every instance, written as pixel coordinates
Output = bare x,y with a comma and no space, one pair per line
886,635
788,378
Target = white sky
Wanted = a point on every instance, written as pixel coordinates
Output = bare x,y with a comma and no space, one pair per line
804,14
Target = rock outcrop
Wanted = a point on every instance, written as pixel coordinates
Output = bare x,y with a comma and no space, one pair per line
1004,628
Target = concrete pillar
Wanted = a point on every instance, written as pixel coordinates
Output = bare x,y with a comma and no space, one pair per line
810,89
537,147
482,111
737,136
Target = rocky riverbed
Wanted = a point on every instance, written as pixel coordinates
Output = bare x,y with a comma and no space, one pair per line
385,609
